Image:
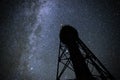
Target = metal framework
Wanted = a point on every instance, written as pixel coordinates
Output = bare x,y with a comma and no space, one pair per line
97,69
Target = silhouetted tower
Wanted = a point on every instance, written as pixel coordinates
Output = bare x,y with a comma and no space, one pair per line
75,55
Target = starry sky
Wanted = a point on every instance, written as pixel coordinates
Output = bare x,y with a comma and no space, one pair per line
29,35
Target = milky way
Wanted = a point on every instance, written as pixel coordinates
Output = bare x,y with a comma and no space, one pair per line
29,31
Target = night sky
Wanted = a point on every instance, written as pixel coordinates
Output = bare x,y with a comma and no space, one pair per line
29,35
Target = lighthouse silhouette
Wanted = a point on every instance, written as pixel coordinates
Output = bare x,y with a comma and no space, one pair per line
76,56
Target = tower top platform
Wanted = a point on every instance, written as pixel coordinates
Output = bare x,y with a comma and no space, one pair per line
68,34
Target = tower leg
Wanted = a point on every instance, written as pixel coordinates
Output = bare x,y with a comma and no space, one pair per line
80,68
